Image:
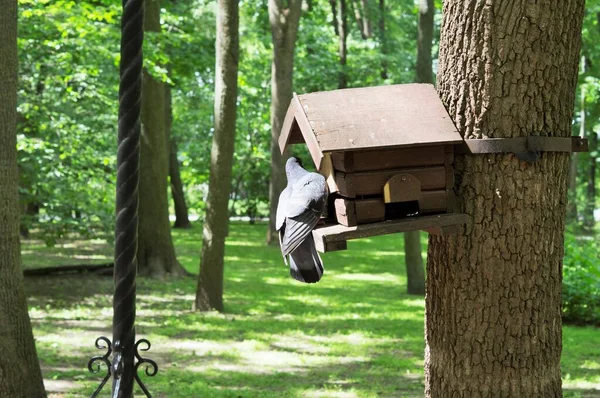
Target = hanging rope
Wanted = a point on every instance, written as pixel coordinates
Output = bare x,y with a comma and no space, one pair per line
123,368
128,155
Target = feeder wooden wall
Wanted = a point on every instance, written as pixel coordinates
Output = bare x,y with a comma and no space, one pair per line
421,174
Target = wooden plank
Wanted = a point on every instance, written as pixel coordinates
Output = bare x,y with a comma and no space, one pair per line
330,246
403,187
444,231
378,117
286,128
450,201
433,202
343,161
369,211
307,131
329,174
449,163
338,233
345,212
352,185
389,158
373,210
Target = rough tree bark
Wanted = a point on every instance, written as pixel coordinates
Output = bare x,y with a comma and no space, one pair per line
181,211
284,29
155,254
20,374
415,274
493,305
209,294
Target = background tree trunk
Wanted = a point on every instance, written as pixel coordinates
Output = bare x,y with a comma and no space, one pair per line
493,305
425,41
20,375
590,202
415,273
181,211
572,205
209,294
383,39
284,29
155,254
343,49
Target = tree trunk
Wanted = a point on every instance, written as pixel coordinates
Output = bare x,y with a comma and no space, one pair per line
493,305
384,49
20,375
590,203
572,205
361,14
366,21
155,254
284,29
425,41
415,274
343,36
209,294
181,212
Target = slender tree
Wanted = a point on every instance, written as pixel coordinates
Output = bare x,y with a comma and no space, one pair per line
342,19
572,205
181,211
415,274
156,253
493,304
361,14
20,374
383,40
590,203
209,294
425,41
284,29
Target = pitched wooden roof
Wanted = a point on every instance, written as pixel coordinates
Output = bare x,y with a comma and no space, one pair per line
367,118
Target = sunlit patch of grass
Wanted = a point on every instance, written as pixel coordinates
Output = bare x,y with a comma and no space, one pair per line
354,334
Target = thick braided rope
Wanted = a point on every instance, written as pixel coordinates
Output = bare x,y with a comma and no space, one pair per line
130,90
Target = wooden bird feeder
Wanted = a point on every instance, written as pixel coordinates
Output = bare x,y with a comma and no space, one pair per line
387,154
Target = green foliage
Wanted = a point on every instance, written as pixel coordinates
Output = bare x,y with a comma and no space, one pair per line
581,280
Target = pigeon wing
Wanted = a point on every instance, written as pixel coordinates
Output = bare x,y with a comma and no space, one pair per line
304,209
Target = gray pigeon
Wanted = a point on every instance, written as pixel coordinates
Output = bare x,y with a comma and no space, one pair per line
301,205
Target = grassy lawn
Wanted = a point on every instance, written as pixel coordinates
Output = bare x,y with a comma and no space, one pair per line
354,334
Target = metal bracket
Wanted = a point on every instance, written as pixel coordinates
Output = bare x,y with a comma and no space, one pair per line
525,148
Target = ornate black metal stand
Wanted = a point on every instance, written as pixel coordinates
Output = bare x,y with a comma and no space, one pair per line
124,366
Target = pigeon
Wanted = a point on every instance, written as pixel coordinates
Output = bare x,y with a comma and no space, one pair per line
301,205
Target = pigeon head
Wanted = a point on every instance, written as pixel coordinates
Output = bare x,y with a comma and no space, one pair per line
293,168
293,160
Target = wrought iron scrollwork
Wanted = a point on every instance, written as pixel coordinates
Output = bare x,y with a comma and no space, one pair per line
94,365
151,366
115,368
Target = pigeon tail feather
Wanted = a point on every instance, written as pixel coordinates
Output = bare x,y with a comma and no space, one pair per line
305,263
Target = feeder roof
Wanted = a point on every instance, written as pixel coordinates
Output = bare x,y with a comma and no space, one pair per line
354,119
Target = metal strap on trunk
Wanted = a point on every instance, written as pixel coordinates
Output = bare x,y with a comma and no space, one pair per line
524,144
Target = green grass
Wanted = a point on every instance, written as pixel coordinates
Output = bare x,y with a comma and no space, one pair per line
355,334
